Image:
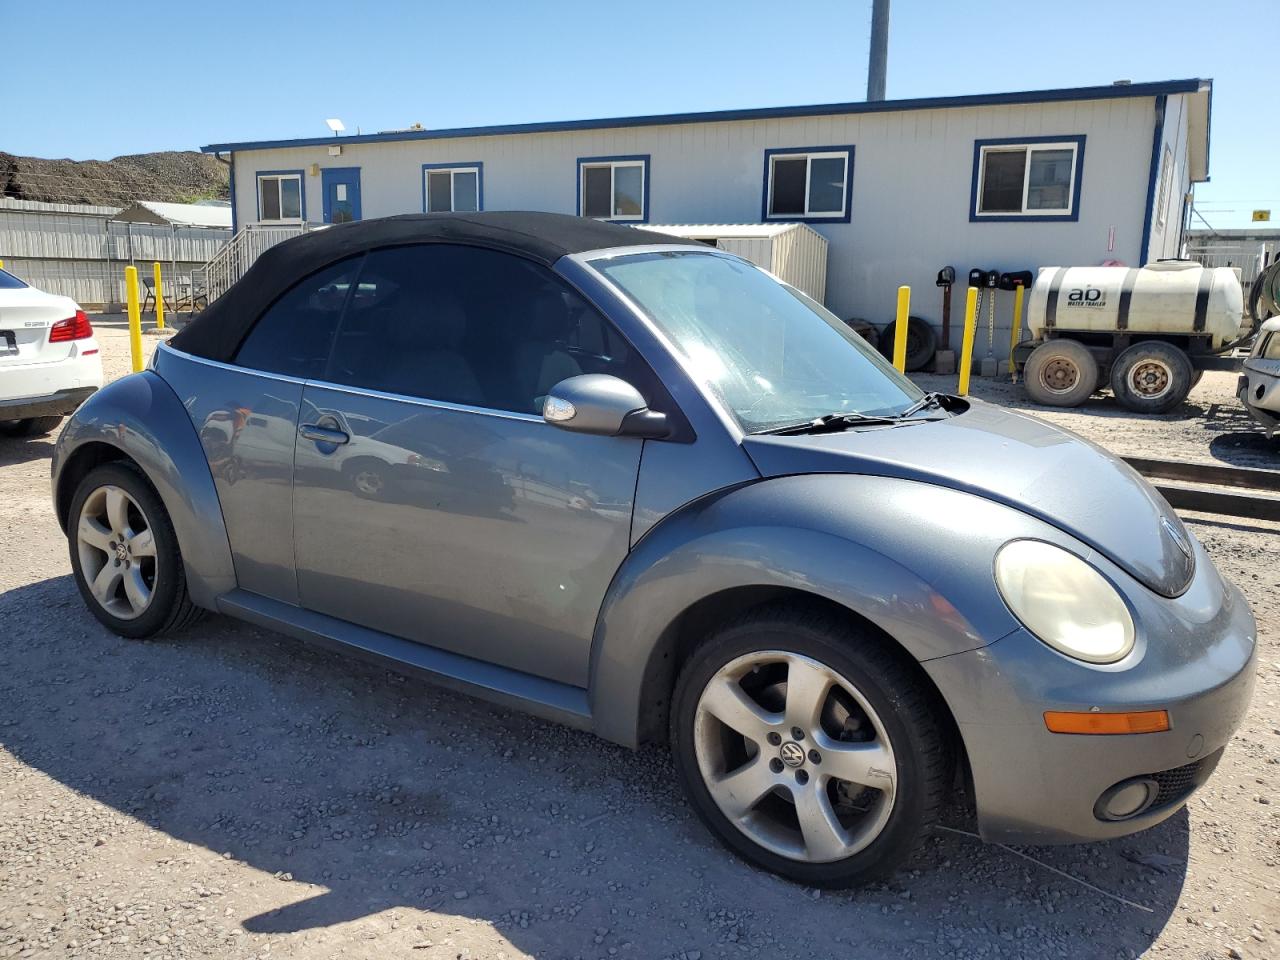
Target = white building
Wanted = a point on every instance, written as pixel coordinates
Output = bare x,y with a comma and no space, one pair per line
1009,181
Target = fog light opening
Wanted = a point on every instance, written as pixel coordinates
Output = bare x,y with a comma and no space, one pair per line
1126,799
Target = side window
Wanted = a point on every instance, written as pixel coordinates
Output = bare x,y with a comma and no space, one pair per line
474,327
1271,350
295,333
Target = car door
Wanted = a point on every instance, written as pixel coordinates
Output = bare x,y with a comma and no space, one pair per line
431,500
246,415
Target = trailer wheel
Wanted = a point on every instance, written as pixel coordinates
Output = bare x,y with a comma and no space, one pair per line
1061,373
1151,377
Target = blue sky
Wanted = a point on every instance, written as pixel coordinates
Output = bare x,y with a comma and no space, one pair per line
86,80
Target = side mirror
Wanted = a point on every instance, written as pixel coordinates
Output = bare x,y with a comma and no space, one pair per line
604,405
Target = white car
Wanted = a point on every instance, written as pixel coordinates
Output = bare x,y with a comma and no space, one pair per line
49,360
1259,388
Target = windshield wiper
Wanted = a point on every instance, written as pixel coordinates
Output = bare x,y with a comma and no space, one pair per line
835,422
928,400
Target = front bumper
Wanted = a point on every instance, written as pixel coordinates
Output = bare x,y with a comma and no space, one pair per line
1247,394
57,404
1196,659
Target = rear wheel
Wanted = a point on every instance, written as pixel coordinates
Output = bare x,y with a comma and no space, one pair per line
30,427
1061,373
808,748
1151,377
124,554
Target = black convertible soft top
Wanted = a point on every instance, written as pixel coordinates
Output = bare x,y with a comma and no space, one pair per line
543,237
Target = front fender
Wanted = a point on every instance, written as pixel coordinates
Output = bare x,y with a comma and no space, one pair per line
143,418
912,558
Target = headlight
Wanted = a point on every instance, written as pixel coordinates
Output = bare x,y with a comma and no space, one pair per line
1064,601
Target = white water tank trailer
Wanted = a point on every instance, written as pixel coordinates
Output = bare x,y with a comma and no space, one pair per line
1150,331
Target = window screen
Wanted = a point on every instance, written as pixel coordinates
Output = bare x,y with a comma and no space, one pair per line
294,335
788,186
597,192
1003,172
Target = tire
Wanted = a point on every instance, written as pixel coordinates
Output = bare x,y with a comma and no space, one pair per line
1061,373
31,427
876,696
922,343
151,567
1196,377
1151,377
865,330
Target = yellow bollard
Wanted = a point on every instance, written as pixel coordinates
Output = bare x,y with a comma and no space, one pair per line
966,347
1,264
1016,332
900,330
155,272
135,316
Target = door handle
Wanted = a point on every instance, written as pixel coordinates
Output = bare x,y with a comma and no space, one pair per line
313,431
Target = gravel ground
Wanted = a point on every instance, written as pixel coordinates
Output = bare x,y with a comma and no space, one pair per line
232,793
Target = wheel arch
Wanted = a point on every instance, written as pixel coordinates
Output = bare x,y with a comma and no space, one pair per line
701,568
139,419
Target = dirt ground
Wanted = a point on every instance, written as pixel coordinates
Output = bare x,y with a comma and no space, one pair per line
233,793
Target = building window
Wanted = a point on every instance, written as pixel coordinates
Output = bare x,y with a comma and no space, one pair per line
280,196
1029,179
808,183
614,188
452,187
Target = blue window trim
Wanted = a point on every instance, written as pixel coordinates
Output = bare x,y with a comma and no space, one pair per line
302,192
800,218
1144,251
1071,217
324,194
461,165
631,158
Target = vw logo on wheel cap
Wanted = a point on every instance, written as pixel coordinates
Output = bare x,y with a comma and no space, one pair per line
792,754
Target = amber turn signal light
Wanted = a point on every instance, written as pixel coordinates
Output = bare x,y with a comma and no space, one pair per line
1143,721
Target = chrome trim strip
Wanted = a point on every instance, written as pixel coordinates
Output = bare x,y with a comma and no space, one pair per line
359,392
421,402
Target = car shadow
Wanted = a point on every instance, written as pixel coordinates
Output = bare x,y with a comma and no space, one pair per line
370,791
19,450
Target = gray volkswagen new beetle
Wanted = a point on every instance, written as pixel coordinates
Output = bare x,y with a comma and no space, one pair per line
642,487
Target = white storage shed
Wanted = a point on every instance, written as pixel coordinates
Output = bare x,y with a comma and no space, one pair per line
792,252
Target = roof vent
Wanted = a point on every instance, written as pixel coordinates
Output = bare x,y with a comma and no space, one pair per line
1122,83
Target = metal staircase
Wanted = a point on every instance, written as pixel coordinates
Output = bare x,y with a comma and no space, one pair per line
231,262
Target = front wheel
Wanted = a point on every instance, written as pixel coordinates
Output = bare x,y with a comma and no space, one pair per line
809,748
125,556
1060,373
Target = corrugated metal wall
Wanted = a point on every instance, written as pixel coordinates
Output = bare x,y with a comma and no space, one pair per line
79,252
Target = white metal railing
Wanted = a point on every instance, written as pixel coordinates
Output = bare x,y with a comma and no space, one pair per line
240,252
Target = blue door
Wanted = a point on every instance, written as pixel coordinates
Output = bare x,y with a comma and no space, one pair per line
341,189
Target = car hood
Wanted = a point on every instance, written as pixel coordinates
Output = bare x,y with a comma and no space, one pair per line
1017,460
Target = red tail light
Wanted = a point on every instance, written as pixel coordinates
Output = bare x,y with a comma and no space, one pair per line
72,328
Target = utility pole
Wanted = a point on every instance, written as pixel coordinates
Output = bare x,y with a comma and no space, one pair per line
878,62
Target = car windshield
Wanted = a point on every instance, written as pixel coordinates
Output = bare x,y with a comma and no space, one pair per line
9,282
772,355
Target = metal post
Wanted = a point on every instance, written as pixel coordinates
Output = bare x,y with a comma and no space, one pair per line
135,316
900,329
878,62
966,347
155,272
1015,333
946,317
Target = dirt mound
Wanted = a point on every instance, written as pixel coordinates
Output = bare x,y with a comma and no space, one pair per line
178,176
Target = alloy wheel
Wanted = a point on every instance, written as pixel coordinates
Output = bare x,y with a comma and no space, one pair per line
117,552
794,755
